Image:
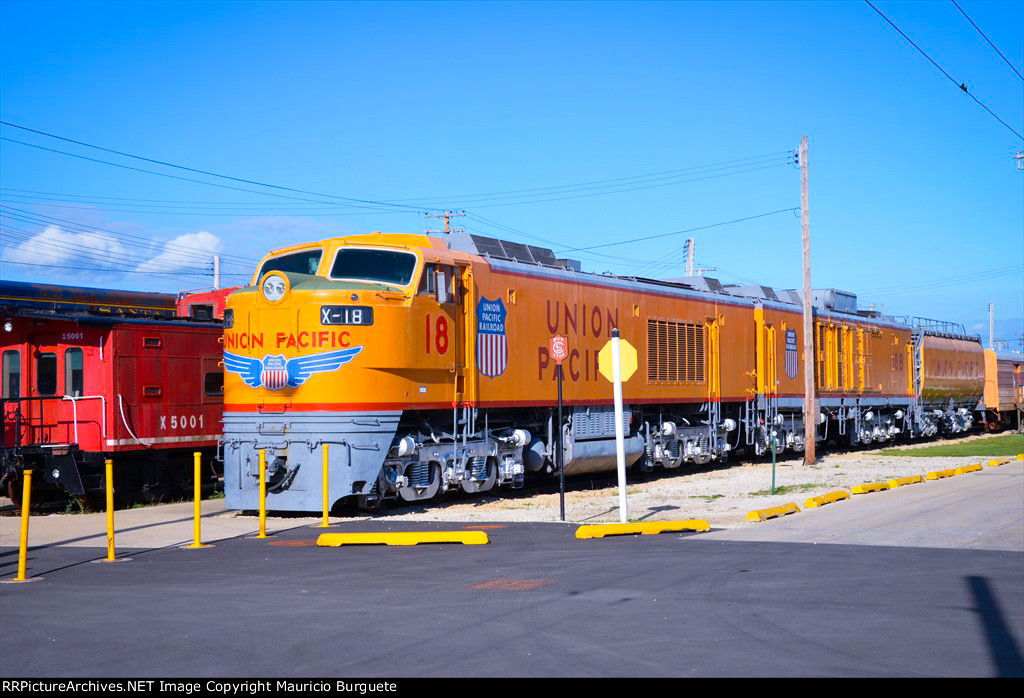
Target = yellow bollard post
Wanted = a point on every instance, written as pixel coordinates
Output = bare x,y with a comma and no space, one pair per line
326,523
263,494
110,510
23,543
111,554
26,493
196,497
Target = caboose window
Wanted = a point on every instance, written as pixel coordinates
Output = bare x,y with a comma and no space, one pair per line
74,372
12,374
46,374
299,263
384,266
213,383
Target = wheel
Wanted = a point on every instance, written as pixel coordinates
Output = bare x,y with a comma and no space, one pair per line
14,489
485,485
415,472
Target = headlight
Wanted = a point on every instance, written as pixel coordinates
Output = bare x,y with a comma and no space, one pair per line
274,287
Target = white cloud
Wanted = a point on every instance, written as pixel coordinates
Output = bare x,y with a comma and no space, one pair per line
188,252
58,248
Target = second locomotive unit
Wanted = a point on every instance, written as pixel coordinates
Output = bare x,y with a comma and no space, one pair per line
422,363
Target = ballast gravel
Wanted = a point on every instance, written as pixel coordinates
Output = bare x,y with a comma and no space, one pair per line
721,494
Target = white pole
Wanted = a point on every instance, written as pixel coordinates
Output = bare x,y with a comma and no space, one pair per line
216,272
620,446
991,326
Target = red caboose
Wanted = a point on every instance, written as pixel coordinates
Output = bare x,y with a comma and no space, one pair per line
117,377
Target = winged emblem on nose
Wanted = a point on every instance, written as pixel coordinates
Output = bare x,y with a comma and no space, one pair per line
275,372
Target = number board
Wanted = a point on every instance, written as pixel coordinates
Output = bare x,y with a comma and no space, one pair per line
346,315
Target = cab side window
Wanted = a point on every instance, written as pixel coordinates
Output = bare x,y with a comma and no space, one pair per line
11,374
438,275
428,279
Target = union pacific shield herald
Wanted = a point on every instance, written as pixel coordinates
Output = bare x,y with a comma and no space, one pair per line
491,341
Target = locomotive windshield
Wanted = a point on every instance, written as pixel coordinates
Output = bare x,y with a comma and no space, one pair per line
305,262
384,266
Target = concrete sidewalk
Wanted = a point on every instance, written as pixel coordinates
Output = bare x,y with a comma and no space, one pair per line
146,527
982,510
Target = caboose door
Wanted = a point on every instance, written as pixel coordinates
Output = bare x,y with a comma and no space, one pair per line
59,408
42,409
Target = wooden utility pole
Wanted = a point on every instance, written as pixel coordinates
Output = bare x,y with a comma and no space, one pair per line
810,414
447,216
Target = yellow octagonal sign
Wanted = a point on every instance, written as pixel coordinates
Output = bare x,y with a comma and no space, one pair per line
627,359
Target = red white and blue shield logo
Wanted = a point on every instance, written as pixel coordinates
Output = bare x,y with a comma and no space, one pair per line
275,372
491,341
791,354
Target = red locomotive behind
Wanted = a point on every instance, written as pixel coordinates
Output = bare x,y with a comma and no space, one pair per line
203,305
90,374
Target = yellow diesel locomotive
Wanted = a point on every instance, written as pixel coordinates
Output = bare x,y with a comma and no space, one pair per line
423,363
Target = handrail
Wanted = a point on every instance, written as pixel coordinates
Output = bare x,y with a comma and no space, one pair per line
18,416
120,401
74,412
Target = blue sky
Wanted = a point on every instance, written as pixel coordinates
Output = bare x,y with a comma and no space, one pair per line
916,201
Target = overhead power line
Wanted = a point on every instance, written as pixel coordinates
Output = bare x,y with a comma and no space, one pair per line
410,209
779,156
688,230
935,284
198,171
1005,59
308,213
967,276
114,271
598,256
183,179
97,202
127,238
614,185
34,244
620,191
961,85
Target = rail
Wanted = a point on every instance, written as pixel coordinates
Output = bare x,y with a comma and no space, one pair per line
930,325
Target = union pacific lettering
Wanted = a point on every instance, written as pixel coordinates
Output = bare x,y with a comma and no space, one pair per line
323,339
593,321
577,320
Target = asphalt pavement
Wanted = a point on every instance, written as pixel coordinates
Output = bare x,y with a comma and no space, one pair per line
922,581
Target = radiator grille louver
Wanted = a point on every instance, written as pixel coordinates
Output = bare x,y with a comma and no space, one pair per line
675,352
